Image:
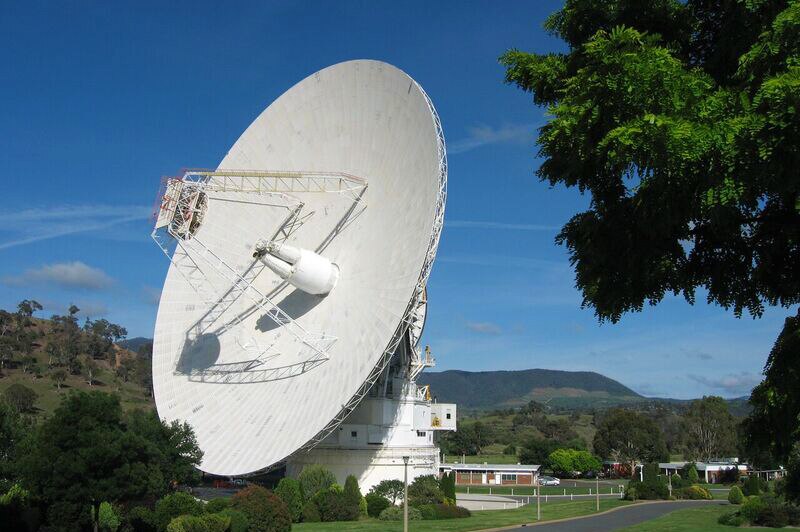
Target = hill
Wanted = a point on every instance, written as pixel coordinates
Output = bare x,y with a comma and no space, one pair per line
52,357
133,344
486,390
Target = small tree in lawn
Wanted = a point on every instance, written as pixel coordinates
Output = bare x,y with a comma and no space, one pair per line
391,489
691,474
352,495
291,492
315,478
89,370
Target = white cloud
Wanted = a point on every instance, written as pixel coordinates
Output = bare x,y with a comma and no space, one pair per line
732,384
483,327
64,275
468,224
484,135
34,225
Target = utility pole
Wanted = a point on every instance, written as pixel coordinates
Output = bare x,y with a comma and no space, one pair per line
405,494
597,490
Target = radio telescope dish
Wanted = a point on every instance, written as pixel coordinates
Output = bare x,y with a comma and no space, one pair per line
299,265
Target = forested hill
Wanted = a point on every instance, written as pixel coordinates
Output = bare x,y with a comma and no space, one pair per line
503,389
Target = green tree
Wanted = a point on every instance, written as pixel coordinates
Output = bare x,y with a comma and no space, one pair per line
20,397
58,377
106,461
710,429
107,517
691,474
391,489
314,478
735,495
536,451
13,428
629,437
265,511
680,120
567,461
352,494
174,505
291,492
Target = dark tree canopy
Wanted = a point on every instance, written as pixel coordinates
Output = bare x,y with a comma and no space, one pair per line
629,437
710,430
680,119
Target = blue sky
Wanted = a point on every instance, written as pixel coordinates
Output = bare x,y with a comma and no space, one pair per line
101,99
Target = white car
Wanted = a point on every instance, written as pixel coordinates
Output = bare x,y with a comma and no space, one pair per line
549,481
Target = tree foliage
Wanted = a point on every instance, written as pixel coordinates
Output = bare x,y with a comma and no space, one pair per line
710,429
20,397
265,511
392,489
569,461
680,120
315,478
291,492
629,437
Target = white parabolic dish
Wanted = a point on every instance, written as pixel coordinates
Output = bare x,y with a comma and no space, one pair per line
363,118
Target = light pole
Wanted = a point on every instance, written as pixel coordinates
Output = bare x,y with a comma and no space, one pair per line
597,489
405,494
538,498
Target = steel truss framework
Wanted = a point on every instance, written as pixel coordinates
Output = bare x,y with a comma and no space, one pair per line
181,210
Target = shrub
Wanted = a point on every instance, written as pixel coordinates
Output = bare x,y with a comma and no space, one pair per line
174,505
729,475
20,397
677,481
691,474
311,513
291,493
631,493
395,513
773,515
265,511
315,478
216,522
448,485
187,523
376,504
362,506
352,495
217,505
735,495
391,489
425,490
334,506
510,449
107,517
731,519
652,488
141,519
443,511
752,486
694,493
751,508
238,520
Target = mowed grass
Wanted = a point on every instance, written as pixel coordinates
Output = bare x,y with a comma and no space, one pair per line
479,519
690,520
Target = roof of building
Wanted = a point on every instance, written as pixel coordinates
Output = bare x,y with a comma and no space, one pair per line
491,467
701,466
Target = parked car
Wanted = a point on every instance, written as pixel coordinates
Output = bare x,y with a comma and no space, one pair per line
549,481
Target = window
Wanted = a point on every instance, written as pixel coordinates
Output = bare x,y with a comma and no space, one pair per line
354,434
508,477
448,415
421,433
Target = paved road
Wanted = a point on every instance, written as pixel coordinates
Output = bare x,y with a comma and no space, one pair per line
626,516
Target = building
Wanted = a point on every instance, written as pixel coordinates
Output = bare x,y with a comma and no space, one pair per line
493,474
710,472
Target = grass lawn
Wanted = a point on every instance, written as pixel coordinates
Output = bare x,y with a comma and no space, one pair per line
689,520
478,520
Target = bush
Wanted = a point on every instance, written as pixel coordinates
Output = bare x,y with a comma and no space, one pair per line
141,519
448,485
315,478
265,511
691,474
352,495
395,513
735,495
362,506
443,511
187,523
751,508
391,489
376,504
291,493
107,517
510,449
20,397
631,493
174,505
731,519
334,506
217,505
677,481
216,522
652,488
311,513
425,490
694,493
753,485
239,522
